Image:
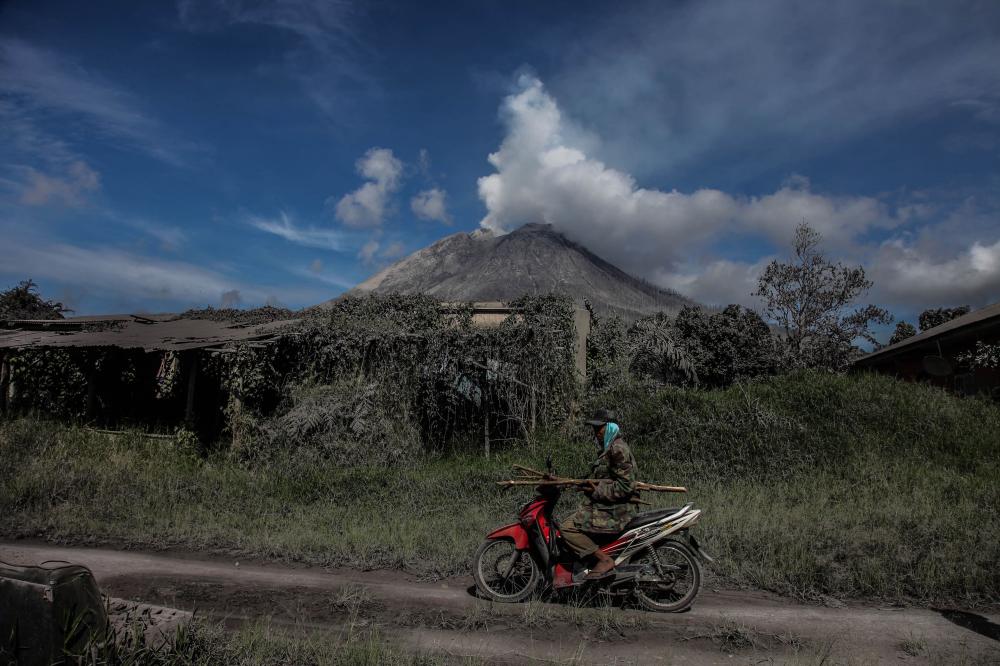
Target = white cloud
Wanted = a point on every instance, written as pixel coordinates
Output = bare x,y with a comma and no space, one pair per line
367,252
285,227
431,205
70,189
906,274
368,206
393,250
544,174
374,252
719,282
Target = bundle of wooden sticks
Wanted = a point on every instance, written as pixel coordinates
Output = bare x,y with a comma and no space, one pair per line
532,477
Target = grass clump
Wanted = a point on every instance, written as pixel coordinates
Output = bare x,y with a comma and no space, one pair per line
202,644
812,484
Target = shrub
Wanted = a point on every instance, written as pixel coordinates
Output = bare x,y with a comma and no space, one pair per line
23,302
727,346
353,421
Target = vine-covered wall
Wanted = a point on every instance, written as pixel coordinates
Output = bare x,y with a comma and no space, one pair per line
366,369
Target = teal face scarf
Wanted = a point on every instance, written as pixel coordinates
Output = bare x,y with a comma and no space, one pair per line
610,432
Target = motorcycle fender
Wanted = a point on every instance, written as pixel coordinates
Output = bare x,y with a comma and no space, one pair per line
696,547
514,532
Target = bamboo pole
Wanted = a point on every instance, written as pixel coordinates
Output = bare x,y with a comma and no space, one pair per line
149,435
531,476
640,485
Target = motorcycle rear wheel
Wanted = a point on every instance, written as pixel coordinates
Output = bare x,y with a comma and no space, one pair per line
682,578
504,573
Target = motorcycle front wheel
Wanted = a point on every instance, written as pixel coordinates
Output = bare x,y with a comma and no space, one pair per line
679,577
504,573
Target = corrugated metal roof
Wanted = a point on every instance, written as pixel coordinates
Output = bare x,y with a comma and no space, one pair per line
982,315
134,332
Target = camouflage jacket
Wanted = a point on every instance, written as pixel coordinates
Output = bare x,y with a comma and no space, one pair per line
609,508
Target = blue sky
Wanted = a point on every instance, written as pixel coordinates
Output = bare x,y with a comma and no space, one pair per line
157,156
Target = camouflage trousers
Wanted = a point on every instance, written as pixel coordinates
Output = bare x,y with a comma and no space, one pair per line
576,538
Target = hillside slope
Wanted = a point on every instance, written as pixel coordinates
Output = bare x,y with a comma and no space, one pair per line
533,259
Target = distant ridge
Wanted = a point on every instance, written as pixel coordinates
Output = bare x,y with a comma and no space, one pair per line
533,259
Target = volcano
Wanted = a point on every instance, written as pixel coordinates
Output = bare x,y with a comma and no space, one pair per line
533,259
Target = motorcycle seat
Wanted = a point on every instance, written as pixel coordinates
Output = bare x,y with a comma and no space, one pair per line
648,517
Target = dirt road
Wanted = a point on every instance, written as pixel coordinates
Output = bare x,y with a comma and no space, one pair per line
724,627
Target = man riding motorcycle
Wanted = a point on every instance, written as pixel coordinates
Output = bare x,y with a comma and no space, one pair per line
609,507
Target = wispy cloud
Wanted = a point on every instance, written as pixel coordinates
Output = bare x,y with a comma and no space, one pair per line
284,227
133,279
325,277
682,84
113,272
36,80
326,58
23,139
170,237
69,188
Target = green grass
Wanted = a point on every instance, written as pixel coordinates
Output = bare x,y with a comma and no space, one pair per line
255,644
812,485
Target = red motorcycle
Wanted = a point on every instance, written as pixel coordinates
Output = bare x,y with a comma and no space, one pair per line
656,557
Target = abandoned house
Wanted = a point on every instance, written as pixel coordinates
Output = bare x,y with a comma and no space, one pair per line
939,355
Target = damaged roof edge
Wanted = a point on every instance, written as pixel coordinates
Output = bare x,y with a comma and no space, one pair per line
174,334
975,319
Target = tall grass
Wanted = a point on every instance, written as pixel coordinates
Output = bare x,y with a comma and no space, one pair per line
812,484
253,644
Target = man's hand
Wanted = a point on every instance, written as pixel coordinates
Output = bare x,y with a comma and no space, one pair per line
589,488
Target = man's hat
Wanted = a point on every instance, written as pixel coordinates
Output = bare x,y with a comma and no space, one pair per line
602,416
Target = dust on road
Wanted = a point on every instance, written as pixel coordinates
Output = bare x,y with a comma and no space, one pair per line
724,627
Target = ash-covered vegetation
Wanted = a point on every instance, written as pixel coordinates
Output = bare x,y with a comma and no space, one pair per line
392,409
369,379
813,485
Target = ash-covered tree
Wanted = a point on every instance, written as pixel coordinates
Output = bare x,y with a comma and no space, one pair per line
937,316
24,302
904,330
654,351
811,297
727,346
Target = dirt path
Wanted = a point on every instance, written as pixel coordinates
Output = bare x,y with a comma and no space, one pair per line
724,627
